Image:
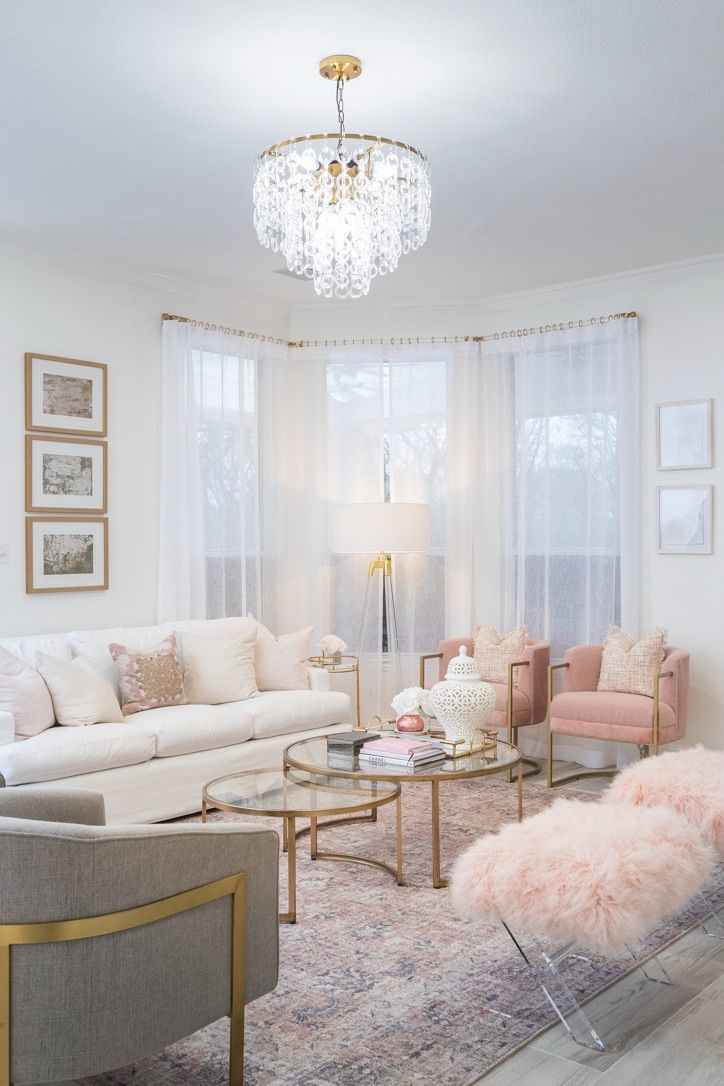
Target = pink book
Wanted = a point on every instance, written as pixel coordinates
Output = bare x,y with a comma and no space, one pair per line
397,746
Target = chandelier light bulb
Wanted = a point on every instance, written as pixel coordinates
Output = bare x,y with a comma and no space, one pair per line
341,207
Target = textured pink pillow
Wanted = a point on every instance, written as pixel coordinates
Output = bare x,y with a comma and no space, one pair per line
24,694
149,680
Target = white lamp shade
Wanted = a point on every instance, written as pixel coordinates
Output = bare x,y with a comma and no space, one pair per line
371,527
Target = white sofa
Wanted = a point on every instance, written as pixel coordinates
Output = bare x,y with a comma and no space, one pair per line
153,766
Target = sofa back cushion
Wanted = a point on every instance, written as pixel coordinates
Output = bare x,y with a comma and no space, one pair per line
24,694
281,662
26,647
94,644
218,669
80,692
150,679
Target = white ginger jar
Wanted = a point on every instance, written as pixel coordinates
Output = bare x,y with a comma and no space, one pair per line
461,701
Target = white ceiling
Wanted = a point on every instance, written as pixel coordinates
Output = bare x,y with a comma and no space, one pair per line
567,138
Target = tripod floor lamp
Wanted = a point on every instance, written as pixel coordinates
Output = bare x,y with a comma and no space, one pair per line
381,529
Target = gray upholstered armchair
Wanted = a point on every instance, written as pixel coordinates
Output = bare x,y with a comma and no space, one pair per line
116,941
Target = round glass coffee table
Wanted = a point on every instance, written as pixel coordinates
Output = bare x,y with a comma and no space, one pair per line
296,793
311,755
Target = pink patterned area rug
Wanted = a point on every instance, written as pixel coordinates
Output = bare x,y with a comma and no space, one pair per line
381,985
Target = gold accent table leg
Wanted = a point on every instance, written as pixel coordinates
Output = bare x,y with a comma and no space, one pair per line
313,838
400,873
359,711
290,917
285,836
203,810
437,881
236,1014
520,791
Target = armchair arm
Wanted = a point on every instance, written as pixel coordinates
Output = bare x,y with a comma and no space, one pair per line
423,661
180,966
551,669
45,805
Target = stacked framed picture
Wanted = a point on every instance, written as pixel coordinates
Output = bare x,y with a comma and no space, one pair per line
66,474
685,442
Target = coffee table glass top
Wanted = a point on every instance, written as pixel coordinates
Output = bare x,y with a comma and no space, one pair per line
311,755
297,792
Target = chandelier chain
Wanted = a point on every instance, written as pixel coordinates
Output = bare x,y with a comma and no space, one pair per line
340,110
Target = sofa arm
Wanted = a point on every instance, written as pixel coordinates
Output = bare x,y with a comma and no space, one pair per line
318,678
7,727
45,805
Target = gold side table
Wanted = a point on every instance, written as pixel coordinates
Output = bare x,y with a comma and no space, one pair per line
344,664
290,794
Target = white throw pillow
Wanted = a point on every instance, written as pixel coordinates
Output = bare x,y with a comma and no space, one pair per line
281,662
24,694
81,694
218,669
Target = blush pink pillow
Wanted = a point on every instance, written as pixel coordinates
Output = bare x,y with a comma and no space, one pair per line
24,694
149,680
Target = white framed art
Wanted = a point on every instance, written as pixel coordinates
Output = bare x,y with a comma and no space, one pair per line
65,395
68,555
65,475
685,435
684,519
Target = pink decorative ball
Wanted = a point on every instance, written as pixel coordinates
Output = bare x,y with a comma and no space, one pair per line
410,722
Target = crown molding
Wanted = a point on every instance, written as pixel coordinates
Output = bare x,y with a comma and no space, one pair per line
89,263
521,299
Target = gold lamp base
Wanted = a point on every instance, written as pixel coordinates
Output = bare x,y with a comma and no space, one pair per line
340,66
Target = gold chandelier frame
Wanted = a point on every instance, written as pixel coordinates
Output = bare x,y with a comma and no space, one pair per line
274,148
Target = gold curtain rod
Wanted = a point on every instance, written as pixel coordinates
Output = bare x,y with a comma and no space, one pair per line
396,341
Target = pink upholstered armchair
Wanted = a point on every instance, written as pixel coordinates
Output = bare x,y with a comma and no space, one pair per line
580,709
517,703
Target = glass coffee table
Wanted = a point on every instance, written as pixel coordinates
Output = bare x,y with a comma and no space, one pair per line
290,794
310,755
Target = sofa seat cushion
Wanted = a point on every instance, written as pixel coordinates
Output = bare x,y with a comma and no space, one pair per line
607,715
66,752
278,712
185,729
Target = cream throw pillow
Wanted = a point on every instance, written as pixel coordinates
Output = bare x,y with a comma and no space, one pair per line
494,652
218,669
628,666
24,694
281,662
81,694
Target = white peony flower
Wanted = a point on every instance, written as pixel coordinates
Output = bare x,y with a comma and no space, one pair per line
413,699
330,645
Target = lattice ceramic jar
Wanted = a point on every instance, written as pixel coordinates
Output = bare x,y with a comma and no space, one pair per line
462,702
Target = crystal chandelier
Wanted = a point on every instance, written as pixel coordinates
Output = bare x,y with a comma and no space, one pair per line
341,207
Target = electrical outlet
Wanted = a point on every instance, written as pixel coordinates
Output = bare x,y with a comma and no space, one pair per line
4,553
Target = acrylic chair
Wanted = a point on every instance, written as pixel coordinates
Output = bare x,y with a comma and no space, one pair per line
582,710
520,701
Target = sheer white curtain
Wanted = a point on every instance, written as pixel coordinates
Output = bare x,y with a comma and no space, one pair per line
211,529
543,526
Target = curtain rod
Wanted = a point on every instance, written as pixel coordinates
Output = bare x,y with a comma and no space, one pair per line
560,326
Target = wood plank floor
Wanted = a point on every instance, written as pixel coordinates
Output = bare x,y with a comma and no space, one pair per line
667,1036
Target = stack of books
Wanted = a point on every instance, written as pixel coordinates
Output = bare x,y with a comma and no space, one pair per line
343,748
398,752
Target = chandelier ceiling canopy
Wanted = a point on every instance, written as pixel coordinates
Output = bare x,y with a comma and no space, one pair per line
341,207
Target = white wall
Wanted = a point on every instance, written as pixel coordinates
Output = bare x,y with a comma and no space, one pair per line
682,357
96,316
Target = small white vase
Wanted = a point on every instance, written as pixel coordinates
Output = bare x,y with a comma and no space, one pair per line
462,703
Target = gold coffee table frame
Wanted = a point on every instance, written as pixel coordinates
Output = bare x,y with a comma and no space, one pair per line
458,769
347,804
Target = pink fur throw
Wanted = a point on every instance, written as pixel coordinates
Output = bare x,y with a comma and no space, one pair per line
690,782
584,873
